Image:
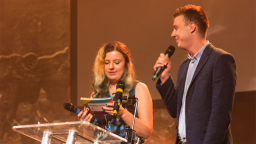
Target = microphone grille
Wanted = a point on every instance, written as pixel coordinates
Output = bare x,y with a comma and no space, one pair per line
67,106
120,84
170,50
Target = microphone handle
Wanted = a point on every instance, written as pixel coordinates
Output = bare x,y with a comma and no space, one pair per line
116,107
158,71
77,110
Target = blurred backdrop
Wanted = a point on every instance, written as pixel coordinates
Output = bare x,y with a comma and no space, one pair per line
48,47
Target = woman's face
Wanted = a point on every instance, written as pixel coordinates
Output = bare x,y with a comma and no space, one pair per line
114,66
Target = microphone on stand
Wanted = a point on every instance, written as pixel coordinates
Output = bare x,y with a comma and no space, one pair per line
170,50
118,97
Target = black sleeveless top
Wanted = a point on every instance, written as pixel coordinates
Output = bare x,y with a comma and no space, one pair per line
115,124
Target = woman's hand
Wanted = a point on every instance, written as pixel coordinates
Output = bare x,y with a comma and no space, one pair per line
85,115
110,107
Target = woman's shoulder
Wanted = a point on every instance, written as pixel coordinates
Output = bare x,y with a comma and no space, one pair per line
142,91
141,87
138,88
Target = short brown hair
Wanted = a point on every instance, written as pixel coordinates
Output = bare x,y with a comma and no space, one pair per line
194,14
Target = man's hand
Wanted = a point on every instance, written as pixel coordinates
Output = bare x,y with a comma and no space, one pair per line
163,60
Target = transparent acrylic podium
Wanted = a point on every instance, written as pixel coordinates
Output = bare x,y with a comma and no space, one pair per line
77,132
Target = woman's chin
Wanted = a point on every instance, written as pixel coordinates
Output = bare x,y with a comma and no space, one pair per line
113,79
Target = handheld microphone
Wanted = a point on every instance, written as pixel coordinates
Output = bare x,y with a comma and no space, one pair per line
170,50
71,107
118,97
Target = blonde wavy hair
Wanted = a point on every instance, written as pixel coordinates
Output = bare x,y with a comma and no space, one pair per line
100,84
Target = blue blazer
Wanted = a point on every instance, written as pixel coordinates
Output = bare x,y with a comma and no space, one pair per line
209,97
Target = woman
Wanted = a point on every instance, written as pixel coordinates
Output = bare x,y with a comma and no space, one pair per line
113,63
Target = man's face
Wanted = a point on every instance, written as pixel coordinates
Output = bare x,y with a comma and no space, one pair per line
181,32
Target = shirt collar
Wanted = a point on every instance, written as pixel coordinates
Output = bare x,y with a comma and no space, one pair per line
198,55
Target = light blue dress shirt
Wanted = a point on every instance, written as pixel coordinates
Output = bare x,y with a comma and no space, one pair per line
191,70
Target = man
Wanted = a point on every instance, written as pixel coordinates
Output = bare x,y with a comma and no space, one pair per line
203,97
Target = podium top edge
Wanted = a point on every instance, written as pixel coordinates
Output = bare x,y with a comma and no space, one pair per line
50,124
